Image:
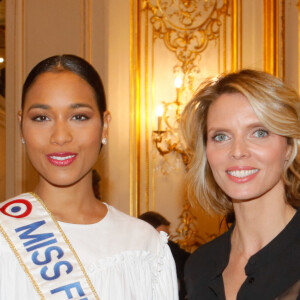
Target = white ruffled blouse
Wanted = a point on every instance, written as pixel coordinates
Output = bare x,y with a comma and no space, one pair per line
125,258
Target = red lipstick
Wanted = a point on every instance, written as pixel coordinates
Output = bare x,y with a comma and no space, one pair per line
62,159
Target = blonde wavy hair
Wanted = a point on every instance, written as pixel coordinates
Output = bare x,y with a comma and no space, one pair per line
276,105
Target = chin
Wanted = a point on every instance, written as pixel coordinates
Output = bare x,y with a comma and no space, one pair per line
62,182
242,196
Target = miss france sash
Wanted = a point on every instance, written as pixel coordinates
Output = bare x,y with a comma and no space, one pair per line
43,250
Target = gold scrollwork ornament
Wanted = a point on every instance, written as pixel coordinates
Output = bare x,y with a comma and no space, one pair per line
186,26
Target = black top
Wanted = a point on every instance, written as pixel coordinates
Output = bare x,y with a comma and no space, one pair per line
180,257
272,272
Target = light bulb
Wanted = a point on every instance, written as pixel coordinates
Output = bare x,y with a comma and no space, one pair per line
178,82
159,113
159,110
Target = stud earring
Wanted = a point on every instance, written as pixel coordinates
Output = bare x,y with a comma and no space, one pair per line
104,141
23,141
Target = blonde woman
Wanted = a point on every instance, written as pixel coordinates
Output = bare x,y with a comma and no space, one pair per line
243,130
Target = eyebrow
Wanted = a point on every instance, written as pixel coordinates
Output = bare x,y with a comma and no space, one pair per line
79,105
249,126
42,106
45,106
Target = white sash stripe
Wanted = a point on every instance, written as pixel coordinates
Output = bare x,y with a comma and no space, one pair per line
43,250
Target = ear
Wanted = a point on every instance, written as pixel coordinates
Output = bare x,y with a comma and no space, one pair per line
289,151
19,115
106,121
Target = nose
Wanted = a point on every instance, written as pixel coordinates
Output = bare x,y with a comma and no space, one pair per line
61,133
239,149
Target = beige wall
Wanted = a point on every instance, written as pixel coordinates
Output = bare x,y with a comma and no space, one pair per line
99,31
2,153
35,30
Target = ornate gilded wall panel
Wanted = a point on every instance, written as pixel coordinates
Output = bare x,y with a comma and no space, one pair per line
281,39
291,38
192,40
274,37
186,27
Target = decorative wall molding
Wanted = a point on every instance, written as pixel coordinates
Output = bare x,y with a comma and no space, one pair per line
202,38
14,77
2,118
172,37
186,27
274,37
86,29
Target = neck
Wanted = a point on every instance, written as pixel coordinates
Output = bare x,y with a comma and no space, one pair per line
72,204
258,222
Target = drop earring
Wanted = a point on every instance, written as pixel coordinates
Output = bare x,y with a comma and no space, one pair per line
104,141
23,141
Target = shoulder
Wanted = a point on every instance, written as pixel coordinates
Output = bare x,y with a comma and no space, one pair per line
130,222
136,231
297,217
207,259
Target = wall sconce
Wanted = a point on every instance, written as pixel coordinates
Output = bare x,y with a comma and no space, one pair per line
159,114
166,138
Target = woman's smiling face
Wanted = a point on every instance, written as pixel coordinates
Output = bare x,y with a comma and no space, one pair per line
246,159
62,127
